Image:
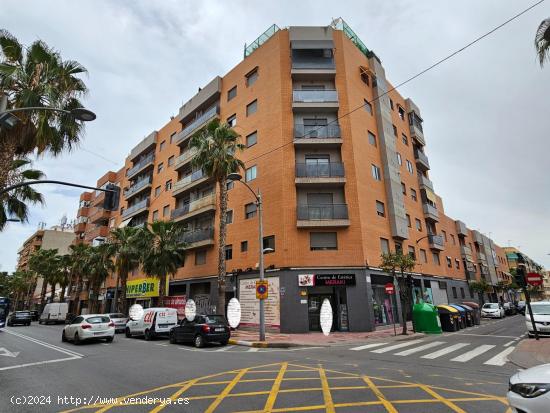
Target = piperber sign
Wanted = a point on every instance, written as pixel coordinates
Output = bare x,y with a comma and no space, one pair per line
328,280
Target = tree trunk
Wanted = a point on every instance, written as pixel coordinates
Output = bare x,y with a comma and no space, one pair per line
62,293
123,301
162,289
43,294
7,154
221,247
403,294
76,303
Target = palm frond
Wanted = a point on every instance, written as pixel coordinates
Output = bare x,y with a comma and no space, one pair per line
542,41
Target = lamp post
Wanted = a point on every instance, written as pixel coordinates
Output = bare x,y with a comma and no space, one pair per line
237,177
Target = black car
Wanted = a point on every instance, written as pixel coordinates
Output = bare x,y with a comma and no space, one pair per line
20,317
35,315
521,307
205,328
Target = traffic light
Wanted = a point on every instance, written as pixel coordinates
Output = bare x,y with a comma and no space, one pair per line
112,196
520,276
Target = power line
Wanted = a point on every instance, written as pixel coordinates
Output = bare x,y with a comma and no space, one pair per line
410,79
99,156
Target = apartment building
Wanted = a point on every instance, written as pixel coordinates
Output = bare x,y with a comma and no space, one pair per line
530,266
341,161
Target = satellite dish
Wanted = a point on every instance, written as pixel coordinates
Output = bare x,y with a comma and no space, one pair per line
326,317
136,312
190,310
234,313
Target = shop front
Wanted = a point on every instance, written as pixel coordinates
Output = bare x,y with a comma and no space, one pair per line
142,291
384,305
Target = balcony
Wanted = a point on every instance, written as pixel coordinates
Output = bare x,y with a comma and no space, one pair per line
145,145
461,228
478,238
137,188
327,215
141,165
184,158
315,135
436,242
481,258
320,173
430,212
83,212
198,238
198,123
415,128
80,227
136,209
425,182
99,215
100,231
315,99
421,160
466,253
99,198
307,65
194,208
184,184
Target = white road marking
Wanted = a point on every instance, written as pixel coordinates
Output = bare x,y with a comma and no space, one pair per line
253,349
419,348
225,348
501,358
483,335
367,346
395,347
45,344
7,353
473,353
445,350
39,363
510,343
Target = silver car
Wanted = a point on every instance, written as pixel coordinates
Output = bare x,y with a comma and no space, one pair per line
120,321
529,390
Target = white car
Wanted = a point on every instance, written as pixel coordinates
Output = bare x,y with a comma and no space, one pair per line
541,314
155,321
492,310
89,326
529,390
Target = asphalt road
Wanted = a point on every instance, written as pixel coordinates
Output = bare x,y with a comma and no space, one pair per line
459,372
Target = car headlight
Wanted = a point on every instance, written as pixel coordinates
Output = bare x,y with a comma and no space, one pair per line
530,390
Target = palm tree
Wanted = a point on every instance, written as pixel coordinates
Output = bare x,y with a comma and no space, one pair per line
64,264
542,41
14,203
164,252
19,283
79,258
37,76
125,246
42,263
100,263
216,146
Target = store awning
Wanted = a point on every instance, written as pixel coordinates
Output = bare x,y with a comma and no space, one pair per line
430,195
124,223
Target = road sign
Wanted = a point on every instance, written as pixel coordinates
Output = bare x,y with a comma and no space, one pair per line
261,289
534,279
390,288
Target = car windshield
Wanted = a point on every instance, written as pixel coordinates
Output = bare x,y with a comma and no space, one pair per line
490,305
543,309
117,315
214,319
98,319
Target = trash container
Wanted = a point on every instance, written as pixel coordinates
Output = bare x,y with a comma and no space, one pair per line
462,315
426,319
476,311
469,315
449,318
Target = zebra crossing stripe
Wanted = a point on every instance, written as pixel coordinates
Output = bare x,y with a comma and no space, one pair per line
366,346
224,348
445,350
501,358
473,353
419,348
395,347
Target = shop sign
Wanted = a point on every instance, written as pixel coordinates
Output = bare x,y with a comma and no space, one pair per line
142,287
306,280
250,306
334,279
177,302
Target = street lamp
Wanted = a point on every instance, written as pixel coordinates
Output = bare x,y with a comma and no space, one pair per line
238,177
13,220
8,119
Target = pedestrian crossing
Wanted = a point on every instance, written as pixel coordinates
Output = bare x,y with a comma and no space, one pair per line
462,352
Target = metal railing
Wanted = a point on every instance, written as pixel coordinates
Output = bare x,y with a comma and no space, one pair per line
197,235
262,38
195,176
316,132
315,96
436,240
320,170
322,212
425,181
194,205
137,186
138,166
144,203
430,210
421,156
193,125
185,157
319,63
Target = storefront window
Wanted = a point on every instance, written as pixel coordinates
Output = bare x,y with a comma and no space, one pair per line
384,306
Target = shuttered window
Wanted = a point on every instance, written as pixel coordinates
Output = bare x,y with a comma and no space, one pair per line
323,241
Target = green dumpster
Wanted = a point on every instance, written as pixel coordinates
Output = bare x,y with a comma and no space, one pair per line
426,319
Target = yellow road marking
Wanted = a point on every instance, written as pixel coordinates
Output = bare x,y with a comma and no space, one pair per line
443,400
226,391
389,407
174,396
270,402
327,397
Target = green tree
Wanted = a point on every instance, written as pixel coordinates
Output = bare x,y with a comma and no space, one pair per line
542,41
399,266
480,287
18,284
43,264
63,278
80,271
14,203
216,148
37,76
100,264
164,252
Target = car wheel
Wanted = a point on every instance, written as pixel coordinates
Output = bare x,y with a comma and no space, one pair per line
199,341
76,339
172,338
147,334
109,339
63,337
127,332
530,335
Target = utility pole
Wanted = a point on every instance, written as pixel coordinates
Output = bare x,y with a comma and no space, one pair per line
261,263
522,282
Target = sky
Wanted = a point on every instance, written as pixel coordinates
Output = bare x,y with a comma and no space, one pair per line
486,113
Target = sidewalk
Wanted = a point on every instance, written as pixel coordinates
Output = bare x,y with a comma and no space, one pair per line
530,352
317,339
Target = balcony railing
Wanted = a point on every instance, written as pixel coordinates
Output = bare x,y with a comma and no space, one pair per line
421,159
199,121
425,182
319,63
315,96
144,203
331,131
140,165
322,212
320,170
209,200
430,211
195,176
436,240
197,235
137,187
466,252
184,158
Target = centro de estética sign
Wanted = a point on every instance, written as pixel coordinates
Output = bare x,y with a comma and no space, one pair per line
142,287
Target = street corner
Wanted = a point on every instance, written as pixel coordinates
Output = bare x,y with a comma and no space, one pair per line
287,387
530,352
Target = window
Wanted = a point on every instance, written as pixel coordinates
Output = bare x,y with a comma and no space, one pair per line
168,185
391,104
444,235
155,215
251,108
372,138
423,256
403,188
453,239
457,265
172,136
401,112
462,293
249,210
376,172
398,247
250,174
157,191
413,194
232,120
200,257
455,295
319,241
399,159
384,245
412,252
449,262
365,77
418,224
162,145
269,242
251,77
171,160
231,93
160,167
408,220
229,217
244,246
435,257
229,185
410,167
252,139
404,139
166,210
380,209
394,130
228,252
368,107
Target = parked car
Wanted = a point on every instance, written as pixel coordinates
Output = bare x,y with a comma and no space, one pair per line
87,327
19,317
509,308
120,321
521,307
492,310
206,328
35,315
541,315
155,321
529,390
54,313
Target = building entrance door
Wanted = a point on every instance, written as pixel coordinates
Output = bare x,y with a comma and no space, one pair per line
337,299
